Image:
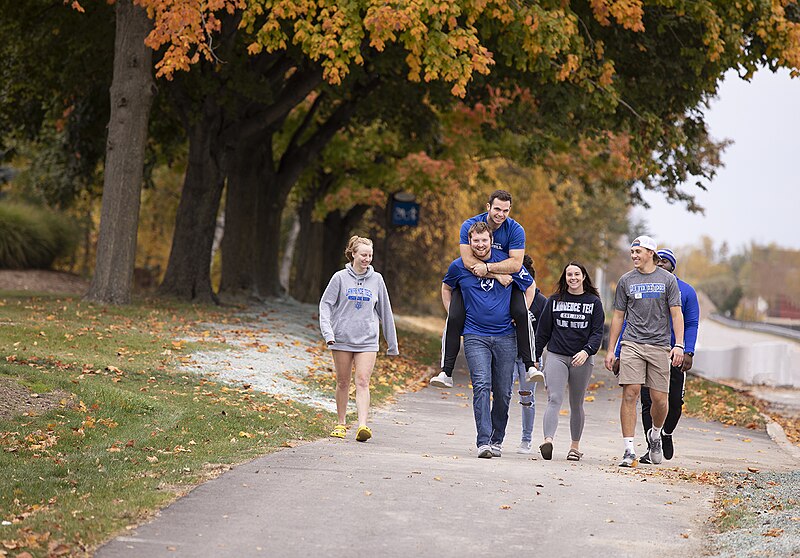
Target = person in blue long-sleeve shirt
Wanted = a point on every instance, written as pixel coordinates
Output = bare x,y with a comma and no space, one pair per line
691,319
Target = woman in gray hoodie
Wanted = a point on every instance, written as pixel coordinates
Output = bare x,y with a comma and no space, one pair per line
353,303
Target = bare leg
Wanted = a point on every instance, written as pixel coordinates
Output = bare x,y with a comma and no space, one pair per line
627,410
343,363
364,363
659,407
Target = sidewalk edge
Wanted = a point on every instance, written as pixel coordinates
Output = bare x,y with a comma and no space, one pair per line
777,435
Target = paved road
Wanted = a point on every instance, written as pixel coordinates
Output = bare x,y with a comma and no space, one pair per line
417,488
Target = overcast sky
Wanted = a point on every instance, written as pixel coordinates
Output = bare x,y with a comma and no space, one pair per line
756,196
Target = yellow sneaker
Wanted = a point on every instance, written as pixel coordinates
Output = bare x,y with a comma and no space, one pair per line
363,434
339,431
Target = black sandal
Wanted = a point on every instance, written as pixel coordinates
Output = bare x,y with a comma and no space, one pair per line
574,455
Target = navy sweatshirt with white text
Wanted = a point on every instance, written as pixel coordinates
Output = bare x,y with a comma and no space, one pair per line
570,324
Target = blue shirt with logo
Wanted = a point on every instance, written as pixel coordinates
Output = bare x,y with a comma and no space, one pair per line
486,301
508,236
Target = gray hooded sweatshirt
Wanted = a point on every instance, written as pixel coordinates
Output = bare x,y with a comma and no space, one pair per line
350,309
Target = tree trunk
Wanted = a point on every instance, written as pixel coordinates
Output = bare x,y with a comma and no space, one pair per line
188,275
288,254
272,195
131,98
305,286
323,249
238,245
338,229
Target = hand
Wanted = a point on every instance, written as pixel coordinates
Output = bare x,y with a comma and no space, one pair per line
687,362
579,358
676,356
609,362
615,367
505,280
479,269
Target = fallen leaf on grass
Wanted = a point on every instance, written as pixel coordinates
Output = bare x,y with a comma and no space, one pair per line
773,533
57,549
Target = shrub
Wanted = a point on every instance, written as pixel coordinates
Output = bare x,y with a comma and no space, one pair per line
33,237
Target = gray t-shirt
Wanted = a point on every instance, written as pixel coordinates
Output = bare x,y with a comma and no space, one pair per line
646,299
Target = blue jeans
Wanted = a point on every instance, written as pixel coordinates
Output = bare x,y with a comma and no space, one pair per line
528,402
491,369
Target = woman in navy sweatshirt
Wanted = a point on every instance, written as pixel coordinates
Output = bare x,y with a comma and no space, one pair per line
571,327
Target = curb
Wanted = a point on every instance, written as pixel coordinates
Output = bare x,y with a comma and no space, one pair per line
774,429
777,435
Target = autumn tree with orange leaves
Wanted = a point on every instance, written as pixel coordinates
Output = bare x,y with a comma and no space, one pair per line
595,73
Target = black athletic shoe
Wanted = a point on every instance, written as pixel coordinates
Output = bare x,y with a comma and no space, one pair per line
666,446
645,458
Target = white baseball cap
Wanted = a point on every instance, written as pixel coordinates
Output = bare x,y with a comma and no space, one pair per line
645,242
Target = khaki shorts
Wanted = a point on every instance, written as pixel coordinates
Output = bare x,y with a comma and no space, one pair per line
644,364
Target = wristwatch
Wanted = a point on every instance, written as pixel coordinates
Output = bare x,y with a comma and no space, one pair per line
689,354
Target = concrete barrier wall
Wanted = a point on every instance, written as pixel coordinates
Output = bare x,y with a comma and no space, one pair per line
772,329
765,363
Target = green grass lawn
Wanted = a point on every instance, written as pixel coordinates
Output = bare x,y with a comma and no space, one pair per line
132,432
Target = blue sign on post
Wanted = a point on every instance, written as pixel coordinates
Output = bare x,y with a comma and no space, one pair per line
405,213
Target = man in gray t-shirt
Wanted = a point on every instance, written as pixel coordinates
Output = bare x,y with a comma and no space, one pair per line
643,297
647,297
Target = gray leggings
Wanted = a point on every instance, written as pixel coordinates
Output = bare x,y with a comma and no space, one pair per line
558,372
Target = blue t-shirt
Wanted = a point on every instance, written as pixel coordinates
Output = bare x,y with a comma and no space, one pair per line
486,301
509,236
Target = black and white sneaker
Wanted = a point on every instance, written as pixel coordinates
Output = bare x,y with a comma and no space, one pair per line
645,458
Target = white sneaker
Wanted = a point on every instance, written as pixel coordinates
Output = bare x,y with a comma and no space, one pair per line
655,448
442,380
628,459
524,447
534,375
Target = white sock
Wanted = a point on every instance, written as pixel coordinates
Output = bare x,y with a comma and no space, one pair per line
656,433
629,444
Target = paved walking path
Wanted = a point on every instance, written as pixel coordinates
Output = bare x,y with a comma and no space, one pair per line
417,489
